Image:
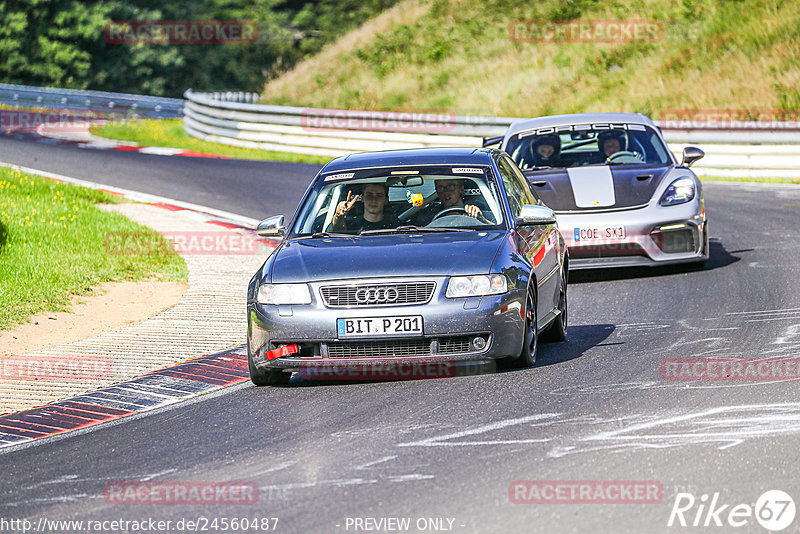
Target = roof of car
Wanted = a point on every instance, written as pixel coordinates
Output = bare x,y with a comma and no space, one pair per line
410,157
578,118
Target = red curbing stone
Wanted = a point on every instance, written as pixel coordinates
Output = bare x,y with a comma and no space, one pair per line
169,207
228,225
15,430
91,408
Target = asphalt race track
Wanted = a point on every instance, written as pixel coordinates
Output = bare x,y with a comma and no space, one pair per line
593,408
250,188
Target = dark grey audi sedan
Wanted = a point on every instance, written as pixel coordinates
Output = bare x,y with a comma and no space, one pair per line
407,258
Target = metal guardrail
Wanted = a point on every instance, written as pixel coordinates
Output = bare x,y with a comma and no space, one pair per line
234,118
741,151
105,104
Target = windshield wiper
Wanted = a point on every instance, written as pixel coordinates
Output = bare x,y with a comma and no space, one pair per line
411,229
329,234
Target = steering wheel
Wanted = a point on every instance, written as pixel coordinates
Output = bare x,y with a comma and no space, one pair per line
623,154
449,211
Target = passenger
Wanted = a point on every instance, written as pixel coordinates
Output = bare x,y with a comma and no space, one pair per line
376,198
450,193
546,150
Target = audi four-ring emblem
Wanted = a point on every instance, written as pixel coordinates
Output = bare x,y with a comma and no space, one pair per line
377,295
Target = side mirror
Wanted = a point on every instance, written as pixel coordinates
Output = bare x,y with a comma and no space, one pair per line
272,227
690,155
532,214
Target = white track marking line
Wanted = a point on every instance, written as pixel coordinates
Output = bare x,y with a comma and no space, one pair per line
785,318
437,441
765,312
408,478
160,150
272,469
376,462
151,476
763,420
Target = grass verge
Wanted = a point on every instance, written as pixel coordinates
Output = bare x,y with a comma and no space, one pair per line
468,57
52,246
170,133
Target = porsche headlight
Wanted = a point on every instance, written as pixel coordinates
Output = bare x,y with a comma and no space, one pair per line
284,294
475,286
680,191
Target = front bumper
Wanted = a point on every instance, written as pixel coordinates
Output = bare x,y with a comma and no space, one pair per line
654,235
449,326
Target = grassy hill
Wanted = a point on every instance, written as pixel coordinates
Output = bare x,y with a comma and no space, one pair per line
458,55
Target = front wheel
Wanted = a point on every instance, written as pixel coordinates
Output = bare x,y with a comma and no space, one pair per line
699,264
531,342
267,377
706,244
527,356
557,331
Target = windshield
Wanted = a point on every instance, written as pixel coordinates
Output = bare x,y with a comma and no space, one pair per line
392,200
622,144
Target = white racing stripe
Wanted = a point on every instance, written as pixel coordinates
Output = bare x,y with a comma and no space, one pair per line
592,186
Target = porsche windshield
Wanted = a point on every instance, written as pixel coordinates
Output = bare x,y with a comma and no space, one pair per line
630,144
394,200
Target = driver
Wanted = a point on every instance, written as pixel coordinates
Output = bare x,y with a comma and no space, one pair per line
376,197
610,142
546,150
450,193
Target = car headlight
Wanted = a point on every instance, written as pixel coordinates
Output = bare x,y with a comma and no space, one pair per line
475,286
284,294
678,192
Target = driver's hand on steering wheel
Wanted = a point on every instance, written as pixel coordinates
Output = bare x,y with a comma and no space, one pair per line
472,211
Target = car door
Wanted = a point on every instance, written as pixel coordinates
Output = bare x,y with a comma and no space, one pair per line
539,243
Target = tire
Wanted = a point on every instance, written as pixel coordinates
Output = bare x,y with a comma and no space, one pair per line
267,377
706,248
706,242
557,331
530,342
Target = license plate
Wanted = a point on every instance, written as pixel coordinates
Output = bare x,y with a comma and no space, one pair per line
603,233
379,326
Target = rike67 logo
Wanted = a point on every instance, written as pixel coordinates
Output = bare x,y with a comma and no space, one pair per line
774,510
